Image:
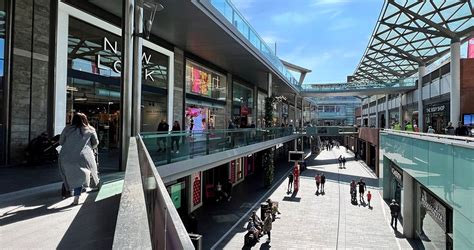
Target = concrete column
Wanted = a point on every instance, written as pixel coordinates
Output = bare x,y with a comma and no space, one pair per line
408,213
302,111
455,104
368,111
387,119
137,73
126,88
296,111
269,85
421,73
376,111
400,112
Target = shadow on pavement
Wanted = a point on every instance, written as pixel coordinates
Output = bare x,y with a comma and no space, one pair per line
93,226
310,173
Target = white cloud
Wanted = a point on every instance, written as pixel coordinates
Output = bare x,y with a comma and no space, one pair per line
293,17
342,24
329,2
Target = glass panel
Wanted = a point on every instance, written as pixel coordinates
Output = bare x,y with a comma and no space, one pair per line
3,112
242,105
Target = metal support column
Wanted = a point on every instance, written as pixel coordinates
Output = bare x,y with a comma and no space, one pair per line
302,111
126,88
137,71
421,73
400,112
376,111
387,120
296,110
269,85
455,100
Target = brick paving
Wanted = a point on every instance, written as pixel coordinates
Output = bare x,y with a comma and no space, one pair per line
329,221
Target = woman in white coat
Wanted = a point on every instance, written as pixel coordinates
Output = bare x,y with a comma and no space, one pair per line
76,160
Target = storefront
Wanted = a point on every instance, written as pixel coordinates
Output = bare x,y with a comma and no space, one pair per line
3,84
434,225
179,196
396,184
205,98
94,78
261,109
437,116
242,103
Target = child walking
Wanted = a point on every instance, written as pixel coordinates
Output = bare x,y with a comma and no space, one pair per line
369,197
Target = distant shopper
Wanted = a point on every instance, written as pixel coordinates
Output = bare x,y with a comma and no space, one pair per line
161,141
449,130
340,161
228,189
175,139
409,127
317,178
267,224
369,197
431,130
343,162
323,181
362,188
415,127
394,211
461,130
290,182
231,125
77,163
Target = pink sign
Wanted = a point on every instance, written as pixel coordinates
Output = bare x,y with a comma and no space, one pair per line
470,48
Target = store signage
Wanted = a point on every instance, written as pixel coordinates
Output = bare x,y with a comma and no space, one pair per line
436,109
397,175
117,64
434,208
470,48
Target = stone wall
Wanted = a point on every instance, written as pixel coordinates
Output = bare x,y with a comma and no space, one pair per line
29,75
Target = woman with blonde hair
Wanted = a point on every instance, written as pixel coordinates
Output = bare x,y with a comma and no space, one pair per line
77,162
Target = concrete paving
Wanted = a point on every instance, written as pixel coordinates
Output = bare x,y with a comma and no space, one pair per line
327,221
37,218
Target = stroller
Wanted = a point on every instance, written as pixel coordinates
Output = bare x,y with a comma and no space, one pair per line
353,195
42,149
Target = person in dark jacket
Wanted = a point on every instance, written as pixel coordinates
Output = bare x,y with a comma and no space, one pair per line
175,139
228,189
394,211
162,127
290,182
461,130
323,181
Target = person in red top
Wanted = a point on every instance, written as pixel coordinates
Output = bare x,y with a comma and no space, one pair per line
318,182
369,197
296,174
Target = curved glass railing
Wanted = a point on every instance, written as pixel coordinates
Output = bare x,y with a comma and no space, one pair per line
230,12
169,147
353,86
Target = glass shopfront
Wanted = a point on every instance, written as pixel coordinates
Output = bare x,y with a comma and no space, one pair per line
435,221
437,116
94,79
396,184
3,93
202,117
242,104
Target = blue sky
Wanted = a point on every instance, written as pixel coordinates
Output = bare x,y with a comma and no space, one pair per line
327,36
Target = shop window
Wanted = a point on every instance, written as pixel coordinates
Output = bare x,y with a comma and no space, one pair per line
3,112
242,105
205,82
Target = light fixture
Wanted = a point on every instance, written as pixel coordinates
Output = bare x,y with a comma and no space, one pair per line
151,6
83,98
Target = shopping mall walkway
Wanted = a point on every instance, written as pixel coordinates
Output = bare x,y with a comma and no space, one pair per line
309,220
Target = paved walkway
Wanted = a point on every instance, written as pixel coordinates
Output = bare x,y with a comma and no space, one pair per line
37,218
330,221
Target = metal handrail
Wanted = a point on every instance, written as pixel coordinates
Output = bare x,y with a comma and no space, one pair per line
462,141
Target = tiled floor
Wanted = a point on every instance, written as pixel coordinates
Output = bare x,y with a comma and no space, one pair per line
329,221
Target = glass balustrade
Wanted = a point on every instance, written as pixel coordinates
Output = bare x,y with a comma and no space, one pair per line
230,12
340,87
169,147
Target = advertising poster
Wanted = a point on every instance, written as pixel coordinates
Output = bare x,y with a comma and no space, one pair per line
470,48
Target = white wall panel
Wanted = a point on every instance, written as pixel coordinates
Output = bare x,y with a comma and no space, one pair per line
434,86
426,92
446,84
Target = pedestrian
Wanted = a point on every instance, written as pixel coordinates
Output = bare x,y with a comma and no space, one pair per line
431,130
175,139
318,182
340,161
343,162
267,224
449,130
228,189
323,181
394,210
461,130
162,127
362,188
369,197
290,182
77,163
